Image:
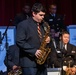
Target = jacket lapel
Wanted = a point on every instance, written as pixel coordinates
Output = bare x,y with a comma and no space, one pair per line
33,26
68,47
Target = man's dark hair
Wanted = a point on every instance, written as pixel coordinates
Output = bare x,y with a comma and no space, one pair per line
62,33
37,7
65,32
52,4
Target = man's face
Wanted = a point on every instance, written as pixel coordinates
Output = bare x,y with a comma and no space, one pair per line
26,9
52,9
38,17
65,38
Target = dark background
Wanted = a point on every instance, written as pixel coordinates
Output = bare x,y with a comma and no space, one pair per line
9,8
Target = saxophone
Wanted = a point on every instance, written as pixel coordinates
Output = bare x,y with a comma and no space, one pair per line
45,50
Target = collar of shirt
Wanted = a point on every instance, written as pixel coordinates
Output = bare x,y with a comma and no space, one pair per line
65,46
34,21
41,24
53,14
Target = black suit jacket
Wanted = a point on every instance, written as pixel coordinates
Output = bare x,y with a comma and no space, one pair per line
28,40
12,57
56,22
62,57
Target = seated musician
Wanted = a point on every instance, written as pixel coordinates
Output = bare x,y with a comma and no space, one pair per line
65,54
12,58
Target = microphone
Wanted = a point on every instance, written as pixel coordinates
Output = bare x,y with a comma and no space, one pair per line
5,33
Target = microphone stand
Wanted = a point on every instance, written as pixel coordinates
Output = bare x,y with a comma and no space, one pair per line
5,35
61,48
6,44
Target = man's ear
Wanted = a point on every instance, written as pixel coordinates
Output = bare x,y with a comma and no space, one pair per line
33,13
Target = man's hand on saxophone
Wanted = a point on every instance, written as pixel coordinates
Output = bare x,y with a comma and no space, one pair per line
71,70
14,67
38,53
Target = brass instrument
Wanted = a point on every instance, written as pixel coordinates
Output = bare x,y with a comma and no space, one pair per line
43,48
15,72
68,72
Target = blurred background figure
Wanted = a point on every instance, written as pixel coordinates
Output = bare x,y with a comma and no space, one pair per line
54,36
3,68
53,44
23,15
12,58
55,20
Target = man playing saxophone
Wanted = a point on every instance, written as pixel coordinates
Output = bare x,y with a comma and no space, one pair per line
30,34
